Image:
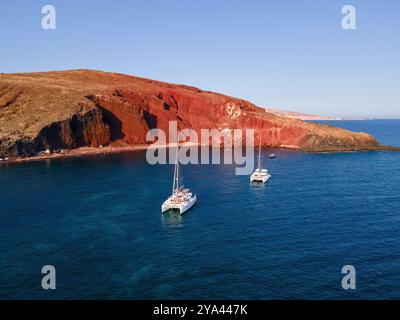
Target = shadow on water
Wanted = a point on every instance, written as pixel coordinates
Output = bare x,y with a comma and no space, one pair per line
172,219
258,184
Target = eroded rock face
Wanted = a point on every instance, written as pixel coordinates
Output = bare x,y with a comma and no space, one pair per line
88,129
70,109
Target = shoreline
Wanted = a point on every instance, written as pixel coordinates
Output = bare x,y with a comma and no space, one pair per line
92,151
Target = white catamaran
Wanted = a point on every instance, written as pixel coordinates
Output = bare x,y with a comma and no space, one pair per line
260,175
181,199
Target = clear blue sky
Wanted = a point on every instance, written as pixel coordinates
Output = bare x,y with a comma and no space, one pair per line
288,54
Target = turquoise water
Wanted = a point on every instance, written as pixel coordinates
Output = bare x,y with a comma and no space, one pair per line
98,221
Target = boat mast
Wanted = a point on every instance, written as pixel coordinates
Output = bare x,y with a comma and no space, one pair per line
174,186
259,154
177,166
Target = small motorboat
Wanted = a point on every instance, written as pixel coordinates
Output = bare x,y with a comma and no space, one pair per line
272,156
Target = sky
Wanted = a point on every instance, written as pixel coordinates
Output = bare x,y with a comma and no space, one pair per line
287,54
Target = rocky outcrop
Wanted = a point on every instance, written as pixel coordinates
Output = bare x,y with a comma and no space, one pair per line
89,129
71,109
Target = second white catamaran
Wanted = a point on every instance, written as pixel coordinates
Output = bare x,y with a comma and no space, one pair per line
181,199
260,175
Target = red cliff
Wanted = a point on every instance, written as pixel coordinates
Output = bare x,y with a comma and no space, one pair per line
71,109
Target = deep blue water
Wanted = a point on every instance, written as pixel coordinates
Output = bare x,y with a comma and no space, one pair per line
98,221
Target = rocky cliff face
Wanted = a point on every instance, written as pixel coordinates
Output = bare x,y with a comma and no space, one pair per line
70,109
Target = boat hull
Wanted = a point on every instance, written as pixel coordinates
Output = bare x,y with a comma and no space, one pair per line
257,178
182,208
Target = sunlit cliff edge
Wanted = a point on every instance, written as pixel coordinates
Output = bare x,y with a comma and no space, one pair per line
77,108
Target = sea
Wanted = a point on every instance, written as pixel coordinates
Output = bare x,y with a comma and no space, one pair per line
97,220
